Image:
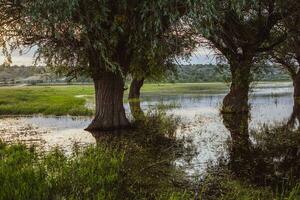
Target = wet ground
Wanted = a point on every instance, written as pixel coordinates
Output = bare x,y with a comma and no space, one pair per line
202,123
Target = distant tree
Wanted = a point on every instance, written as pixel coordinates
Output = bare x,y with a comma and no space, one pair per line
241,31
98,38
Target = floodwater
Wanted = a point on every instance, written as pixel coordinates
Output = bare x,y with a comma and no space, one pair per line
202,123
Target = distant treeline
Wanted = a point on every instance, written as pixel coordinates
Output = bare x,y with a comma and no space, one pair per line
32,75
182,74
215,73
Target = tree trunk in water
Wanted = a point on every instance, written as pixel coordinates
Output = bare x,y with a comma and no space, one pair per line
296,109
295,116
134,98
241,156
296,83
236,101
110,113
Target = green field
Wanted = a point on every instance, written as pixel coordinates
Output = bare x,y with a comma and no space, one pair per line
72,99
53,100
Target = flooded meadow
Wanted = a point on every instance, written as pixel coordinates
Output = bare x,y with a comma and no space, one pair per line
201,123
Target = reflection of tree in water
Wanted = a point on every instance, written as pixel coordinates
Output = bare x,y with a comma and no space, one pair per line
149,160
295,116
240,148
271,158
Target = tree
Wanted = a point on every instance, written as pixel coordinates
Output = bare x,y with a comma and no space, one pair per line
241,31
176,40
99,38
288,53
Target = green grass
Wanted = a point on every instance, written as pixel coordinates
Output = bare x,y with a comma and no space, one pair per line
185,88
91,174
54,100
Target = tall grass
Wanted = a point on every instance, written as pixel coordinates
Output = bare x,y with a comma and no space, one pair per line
90,174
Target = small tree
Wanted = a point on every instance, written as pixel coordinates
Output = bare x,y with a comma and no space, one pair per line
175,41
241,31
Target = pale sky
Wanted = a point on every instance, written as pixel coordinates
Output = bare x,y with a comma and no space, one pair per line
200,56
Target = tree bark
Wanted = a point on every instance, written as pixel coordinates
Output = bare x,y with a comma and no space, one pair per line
296,83
110,113
295,116
236,101
134,98
241,156
135,88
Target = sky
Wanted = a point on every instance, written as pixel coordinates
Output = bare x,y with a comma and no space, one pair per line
200,56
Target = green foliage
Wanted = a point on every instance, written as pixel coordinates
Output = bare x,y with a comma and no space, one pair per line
175,74
86,36
90,174
224,186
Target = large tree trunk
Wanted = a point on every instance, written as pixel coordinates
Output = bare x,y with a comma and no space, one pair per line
236,101
110,113
134,98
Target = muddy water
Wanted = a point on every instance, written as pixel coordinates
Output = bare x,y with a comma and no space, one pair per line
47,132
203,124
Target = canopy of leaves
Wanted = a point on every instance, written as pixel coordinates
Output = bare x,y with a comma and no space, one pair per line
288,53
88,35
242,29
